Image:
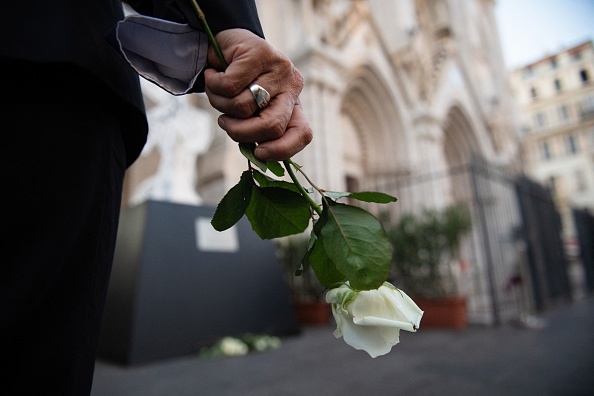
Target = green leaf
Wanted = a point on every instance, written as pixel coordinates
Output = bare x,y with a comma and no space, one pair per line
267,181
358,244
374,197
276,212
234,204
319,224
247,149
366,196
323,266
276,168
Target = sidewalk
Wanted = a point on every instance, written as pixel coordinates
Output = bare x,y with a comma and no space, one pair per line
555,360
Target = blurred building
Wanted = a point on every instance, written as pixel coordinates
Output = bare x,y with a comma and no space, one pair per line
556,94
395,90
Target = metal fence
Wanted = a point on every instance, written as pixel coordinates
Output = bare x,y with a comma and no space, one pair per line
584,221
498,272
545,251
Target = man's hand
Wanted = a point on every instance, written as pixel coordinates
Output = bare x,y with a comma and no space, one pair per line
281,129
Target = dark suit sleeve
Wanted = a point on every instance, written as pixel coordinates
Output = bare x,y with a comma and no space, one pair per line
220,14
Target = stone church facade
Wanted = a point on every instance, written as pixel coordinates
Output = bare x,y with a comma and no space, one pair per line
394,89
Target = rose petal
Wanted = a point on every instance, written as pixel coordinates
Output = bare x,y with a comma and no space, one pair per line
376,341
407,307
373,321
387,303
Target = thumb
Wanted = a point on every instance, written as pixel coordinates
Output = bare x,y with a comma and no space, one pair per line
212,60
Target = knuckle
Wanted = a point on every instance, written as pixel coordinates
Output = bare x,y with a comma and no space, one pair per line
282,69
306,136
230,87
276,128
286,69
298,84
243,108
298,80
284,62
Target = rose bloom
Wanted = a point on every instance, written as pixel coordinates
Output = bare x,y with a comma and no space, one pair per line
233,347
371,320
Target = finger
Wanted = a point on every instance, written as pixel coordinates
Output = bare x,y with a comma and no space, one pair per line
271,123
242,105
246,54
289,81
232,81
297,136
212,60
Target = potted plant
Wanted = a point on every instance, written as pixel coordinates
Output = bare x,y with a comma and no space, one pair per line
307,293
425,247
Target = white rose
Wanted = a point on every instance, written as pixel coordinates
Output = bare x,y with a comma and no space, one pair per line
371,320
233,347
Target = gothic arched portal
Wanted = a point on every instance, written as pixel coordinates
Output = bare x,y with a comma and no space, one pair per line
460,145
373,129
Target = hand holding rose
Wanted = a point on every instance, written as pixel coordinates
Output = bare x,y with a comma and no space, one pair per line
281,129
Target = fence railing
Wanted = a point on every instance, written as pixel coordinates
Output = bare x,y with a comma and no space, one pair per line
509,265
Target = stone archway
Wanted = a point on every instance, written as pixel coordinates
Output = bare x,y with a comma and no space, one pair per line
375,143
460,145
460,142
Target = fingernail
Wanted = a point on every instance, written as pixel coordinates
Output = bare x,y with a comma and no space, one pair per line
221,121
262,153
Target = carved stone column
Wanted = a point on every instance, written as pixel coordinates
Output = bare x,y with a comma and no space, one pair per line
430,164
321,101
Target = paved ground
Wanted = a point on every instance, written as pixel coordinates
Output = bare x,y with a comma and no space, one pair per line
557,359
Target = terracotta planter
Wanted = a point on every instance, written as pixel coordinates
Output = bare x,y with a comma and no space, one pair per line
445,312
316,312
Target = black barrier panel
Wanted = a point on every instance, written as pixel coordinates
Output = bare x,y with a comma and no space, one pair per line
584,224
546,255
177,285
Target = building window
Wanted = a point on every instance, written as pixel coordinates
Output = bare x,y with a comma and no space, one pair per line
587,108
563,113
554,63
577,56
533,93
553,184
571,144
580,181
352,184
545,151
584,78
527,73
558,85
540,120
